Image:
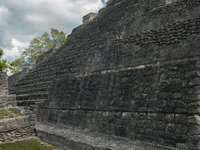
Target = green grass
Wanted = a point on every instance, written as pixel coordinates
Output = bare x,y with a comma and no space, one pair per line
15,111
9,113
131,138
32,144
3,113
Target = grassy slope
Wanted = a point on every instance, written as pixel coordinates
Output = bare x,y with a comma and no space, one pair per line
32,144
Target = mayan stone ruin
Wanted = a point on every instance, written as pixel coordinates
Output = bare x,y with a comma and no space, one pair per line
14,128
128,78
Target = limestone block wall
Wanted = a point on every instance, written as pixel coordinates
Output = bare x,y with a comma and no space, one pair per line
154,32
3,83
156,103
5,99
16,128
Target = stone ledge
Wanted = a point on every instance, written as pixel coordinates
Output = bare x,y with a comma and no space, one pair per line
28,119
75,139
12,129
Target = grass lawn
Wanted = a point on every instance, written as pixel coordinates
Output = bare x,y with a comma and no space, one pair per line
9,113
32,144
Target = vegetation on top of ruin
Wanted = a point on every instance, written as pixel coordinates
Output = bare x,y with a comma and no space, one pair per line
3,64
37,47
9,113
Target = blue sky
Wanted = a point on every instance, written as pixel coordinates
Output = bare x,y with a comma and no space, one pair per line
23,20
103,1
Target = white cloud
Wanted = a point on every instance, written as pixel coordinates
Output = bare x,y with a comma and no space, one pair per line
11,54
3,10
16,43
93,6
14,52
3,14
36,18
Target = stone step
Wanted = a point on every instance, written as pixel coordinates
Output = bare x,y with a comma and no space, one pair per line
37,79
33,81
30,102
41,68
35,84
31,90
32,77
70,138
40,103
41,95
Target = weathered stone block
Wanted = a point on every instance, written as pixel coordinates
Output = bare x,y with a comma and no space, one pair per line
89,17
195,120
181,118
194,130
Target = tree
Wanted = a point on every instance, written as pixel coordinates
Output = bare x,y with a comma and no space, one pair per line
16,65
3,62
37,47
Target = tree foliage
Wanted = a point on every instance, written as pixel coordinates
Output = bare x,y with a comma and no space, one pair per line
3,62
37,47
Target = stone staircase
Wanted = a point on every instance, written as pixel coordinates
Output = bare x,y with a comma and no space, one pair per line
29,94
35,84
